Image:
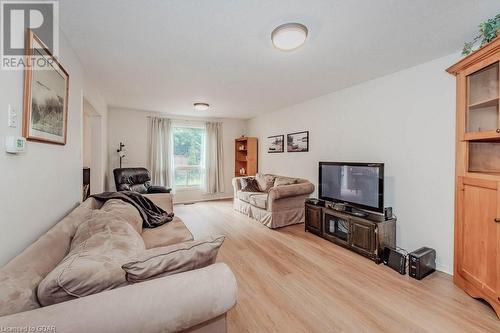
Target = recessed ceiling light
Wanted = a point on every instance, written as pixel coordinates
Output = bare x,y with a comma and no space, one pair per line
201,106
289,36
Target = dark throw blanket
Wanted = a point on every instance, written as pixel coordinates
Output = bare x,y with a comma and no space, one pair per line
152,215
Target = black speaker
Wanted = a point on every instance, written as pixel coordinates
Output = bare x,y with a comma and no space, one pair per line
395,260
422,262
388,213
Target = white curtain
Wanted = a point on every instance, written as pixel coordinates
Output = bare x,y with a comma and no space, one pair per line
160,151
214,158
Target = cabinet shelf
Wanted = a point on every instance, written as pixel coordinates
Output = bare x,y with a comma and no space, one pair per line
484,104
482,136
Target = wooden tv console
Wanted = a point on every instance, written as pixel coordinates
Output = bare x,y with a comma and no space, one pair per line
363,235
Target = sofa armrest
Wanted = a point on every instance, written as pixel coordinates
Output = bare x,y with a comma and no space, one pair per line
236,185
163,200
286,191
170,304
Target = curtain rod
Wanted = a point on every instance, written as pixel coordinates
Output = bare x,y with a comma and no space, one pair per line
186,120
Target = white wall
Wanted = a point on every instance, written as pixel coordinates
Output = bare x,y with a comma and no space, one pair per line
131,128
407,121
42,185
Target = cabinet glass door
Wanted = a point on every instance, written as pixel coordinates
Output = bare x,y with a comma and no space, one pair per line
482,99
337,227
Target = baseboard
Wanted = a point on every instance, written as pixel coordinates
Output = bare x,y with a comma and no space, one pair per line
201,200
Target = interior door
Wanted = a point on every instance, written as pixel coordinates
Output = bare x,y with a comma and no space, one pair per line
479,234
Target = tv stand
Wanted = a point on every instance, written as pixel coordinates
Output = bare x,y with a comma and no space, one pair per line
366,235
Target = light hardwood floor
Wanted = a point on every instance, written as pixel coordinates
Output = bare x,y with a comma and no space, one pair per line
293,281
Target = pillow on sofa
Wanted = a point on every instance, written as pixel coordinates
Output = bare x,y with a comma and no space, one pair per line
101,245
265,181
249,184
124,210
281,181
173,259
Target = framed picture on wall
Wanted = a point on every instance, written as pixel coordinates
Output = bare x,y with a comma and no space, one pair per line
297,142
45,114
276,144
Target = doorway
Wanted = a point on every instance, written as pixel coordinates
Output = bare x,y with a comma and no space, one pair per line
92,147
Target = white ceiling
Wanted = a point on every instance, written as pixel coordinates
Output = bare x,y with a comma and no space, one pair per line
165,55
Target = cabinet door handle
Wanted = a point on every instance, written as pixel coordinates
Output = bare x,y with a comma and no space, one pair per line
497,220
498,130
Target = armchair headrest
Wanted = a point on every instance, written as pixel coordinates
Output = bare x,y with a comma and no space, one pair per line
132,179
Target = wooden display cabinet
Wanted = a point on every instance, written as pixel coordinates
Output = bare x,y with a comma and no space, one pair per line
246,151
477,203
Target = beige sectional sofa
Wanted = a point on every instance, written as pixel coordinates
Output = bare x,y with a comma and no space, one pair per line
192,301
277,206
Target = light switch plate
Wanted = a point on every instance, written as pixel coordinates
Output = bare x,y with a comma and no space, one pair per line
12,117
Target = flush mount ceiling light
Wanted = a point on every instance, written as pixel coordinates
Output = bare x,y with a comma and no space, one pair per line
289,36
201,106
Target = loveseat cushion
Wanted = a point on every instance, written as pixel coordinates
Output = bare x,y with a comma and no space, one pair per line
101,245
173,259
245,196
282,181
126,211
170,233
259,200
265,181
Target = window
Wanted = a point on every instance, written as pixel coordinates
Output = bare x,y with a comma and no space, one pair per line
188,153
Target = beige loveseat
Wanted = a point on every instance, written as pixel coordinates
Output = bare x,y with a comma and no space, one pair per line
280,206
193,301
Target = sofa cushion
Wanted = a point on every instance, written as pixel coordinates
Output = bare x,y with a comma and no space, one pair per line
173,259
259,200
281,181
101,245
170,233
265,181
249,184
245,196
125,211
14,296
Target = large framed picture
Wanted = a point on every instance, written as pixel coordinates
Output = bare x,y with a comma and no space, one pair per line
297,142
276,144
45,116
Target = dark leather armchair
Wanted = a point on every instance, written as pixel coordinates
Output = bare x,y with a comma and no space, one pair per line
136,180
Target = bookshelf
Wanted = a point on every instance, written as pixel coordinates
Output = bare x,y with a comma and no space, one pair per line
245,156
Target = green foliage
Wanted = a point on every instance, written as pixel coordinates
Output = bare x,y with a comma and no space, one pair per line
188,143
488,30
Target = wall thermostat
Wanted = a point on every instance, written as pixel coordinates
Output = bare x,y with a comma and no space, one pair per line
15,144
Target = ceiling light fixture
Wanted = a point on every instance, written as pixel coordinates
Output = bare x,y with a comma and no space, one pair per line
289,36
201,106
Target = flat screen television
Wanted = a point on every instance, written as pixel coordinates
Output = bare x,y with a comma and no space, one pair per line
359,185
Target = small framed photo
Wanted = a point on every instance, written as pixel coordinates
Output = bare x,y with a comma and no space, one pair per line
45,117
297,142
276,144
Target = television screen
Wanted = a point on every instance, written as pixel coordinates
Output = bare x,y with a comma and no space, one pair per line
358,184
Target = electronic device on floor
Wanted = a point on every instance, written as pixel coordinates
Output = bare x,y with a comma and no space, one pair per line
422,262
395,259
